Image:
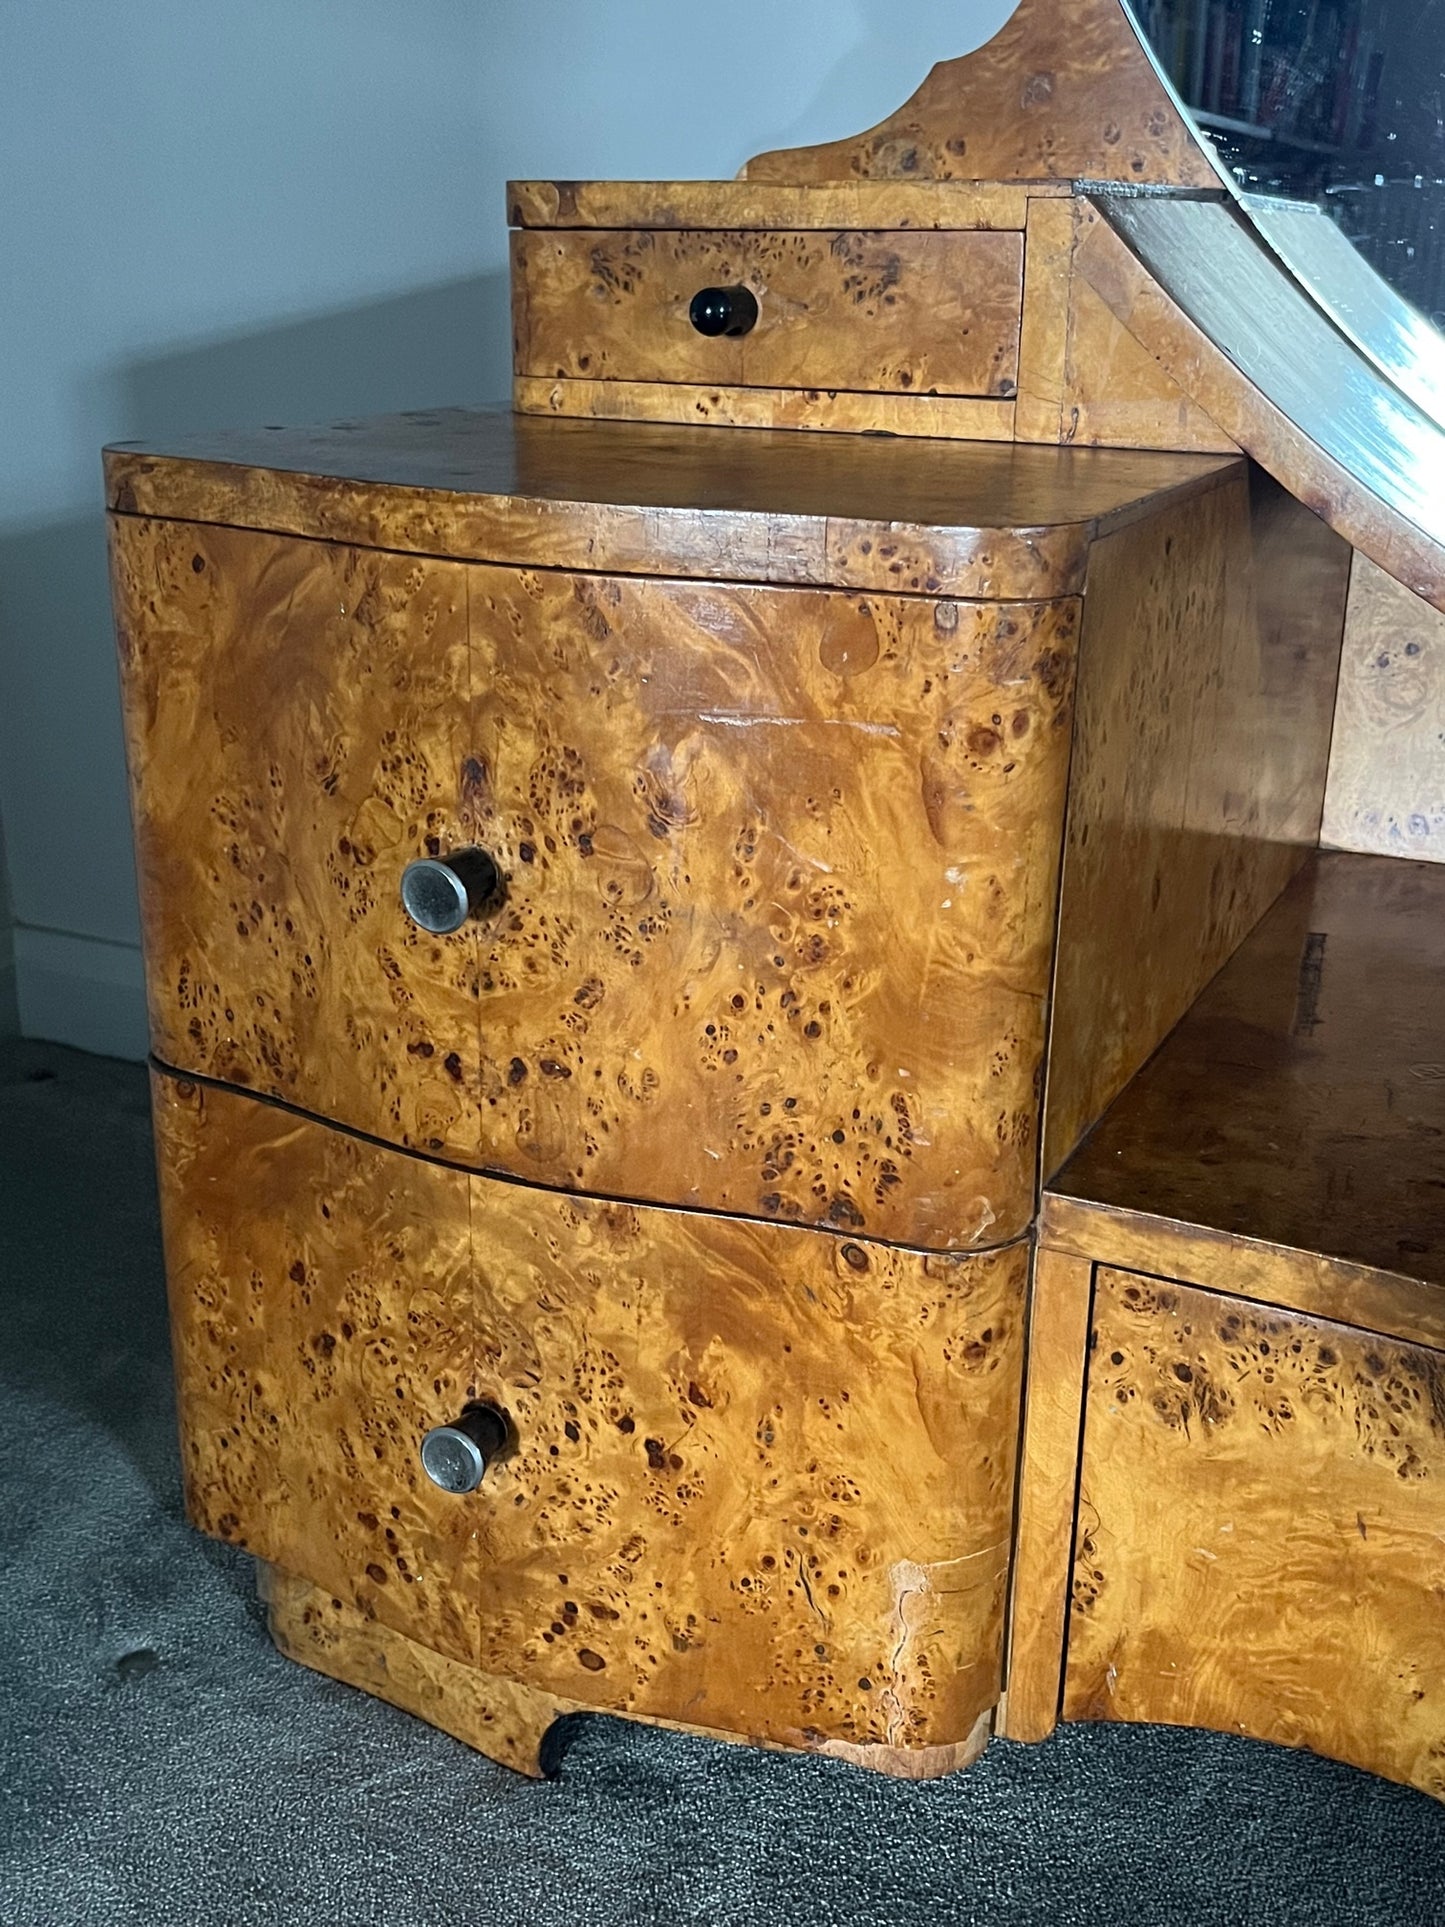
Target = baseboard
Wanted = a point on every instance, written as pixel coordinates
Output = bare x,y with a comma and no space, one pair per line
80,991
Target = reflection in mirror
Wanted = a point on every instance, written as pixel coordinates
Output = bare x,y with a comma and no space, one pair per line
1340,103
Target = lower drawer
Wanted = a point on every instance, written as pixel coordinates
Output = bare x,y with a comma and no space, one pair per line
1261,1529
761,1477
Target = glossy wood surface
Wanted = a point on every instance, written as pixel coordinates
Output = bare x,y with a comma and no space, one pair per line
968,418
1352,450
762,1480
822,1000
1060,93
1387,762
853,309
1083,378
1059,1304
1208,664
818,998
323,1317
296,720
503,1718
942,519
1300,1104
1261,1540
766,205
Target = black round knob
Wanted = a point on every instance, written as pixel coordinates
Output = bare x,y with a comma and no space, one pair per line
723,311
439,893
456,1456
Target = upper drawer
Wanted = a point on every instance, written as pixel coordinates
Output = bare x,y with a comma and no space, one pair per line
779,869
900,312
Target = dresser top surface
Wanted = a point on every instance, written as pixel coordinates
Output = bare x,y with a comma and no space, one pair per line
786,505
1301,1101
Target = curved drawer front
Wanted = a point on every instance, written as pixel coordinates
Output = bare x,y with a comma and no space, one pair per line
296,715
782,873
901,312
761,1478
777,867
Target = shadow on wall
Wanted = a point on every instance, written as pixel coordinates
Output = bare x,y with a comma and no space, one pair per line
883,65
64,800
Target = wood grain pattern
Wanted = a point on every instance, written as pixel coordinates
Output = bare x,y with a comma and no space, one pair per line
904,312
1044,323
1306,1281
1058,1345
500,1717
296,718
700,987
1261,1535
1252,422
1209,658
1057,94
929,205
1083,378
644,498
322,1320
763,1479
821,1000
952,417
1301,1102
1387,761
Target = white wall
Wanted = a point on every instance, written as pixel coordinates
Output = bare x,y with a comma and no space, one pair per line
289,210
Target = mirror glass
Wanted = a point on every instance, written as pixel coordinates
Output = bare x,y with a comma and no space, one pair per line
1337,104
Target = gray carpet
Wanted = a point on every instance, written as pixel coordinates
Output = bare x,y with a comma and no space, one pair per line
162,1765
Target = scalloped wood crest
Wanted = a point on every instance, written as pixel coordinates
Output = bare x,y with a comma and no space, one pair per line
1064,91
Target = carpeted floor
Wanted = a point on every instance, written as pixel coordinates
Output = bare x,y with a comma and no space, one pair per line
162,1765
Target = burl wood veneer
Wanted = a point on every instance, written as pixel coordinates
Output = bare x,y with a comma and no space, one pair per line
781,864
762,1480
926,312
865,811
1259,1544
1238,1297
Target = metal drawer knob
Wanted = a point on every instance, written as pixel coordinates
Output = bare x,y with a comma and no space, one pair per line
456,1456
723,311
439,893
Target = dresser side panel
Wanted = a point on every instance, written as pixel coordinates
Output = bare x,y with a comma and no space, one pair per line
1208,666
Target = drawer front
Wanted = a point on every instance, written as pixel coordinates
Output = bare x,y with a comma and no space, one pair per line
779,869
296,716
902,312
762,1478
782,875
1261,1539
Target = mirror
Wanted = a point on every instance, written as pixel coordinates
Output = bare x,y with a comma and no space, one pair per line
1337,103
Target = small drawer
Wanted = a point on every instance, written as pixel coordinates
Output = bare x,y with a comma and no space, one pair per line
756,1478
902,313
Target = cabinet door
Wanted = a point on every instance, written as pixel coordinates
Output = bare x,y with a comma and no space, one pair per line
296,718
1261,1530
782,869
762,1478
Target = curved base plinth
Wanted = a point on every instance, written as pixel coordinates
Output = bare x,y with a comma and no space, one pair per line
503,1718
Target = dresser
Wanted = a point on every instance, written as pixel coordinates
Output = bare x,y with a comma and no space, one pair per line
644,892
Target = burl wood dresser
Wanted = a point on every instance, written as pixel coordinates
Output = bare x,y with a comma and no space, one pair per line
641,892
